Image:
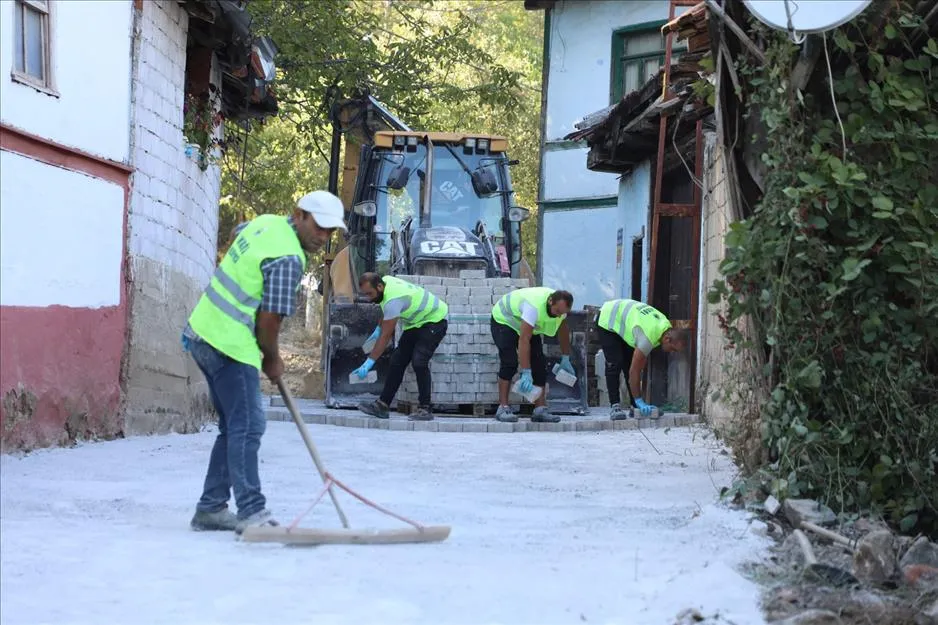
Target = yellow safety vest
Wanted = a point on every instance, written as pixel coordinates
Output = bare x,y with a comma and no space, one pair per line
424,307
622,315
508,310
224,315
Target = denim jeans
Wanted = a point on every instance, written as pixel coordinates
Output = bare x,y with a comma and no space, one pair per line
233,465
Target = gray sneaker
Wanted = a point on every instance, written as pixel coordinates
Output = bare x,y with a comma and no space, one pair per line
505,415
619,413
423,414
376,408
541,415
223,520
258,519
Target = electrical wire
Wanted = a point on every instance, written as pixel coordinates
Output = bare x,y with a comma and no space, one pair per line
830,78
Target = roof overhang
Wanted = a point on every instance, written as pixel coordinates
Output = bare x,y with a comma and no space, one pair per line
245,60
625,133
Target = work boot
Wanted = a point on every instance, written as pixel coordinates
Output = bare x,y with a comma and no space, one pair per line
541,415
423,414
505,415
619,414
223,520
262,518
376,408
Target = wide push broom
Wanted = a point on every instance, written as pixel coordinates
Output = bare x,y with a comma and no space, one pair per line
293,534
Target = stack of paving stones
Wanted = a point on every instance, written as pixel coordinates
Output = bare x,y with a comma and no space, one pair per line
465,366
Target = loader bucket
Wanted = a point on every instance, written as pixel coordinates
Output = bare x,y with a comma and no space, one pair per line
350,324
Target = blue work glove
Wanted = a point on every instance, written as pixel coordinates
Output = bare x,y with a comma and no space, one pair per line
362,371
374,335
566,366
527,382
644,408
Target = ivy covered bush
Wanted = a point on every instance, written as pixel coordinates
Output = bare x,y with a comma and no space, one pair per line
837,268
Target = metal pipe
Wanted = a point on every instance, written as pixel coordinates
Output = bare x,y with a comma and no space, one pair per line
427,185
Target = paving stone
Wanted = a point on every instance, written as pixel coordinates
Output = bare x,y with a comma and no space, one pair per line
523,426
378,424
357,422
400,424
481,426
313,419
425,426
498,426
625,424
469,274
447,426
588,426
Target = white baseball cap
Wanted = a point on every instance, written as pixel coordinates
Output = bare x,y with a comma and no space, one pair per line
325,208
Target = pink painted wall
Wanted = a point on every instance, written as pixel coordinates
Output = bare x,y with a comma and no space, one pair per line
60,365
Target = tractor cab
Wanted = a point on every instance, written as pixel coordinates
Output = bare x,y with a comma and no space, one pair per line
435,204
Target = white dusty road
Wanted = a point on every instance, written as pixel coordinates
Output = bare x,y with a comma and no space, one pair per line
590,527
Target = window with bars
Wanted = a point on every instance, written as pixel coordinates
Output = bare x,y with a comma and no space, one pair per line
31,42
637,55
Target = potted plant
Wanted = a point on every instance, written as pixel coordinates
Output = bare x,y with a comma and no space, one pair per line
201,120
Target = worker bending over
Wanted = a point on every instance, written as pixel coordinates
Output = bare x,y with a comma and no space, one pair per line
628,331
519,319
424,317
232,334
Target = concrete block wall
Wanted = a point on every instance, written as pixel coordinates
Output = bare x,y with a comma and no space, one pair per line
465,366
172,231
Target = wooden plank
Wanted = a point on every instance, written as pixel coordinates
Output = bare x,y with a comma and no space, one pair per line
308,536
677,210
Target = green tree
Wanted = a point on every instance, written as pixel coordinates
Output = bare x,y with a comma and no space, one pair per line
454,65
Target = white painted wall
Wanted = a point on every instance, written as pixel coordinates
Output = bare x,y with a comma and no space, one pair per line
174,206
585,262
91,65
61,236
580,45
634,209
567,177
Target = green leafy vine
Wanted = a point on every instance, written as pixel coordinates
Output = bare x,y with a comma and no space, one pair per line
837,268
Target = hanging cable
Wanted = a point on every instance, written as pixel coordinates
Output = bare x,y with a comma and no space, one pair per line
830,80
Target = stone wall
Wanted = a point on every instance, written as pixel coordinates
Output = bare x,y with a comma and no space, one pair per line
720,370
173,224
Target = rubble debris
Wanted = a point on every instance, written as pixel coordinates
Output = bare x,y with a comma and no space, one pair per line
811,617
875,560
820,571
771,505
933,611
923,552
690,616
798,511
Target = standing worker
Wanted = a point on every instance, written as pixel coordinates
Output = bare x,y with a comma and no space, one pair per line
424,317
519,319
232,334
628,331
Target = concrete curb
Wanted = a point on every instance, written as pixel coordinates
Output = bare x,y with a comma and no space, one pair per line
482,424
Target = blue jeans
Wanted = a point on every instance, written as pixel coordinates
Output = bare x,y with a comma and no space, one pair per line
236,393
